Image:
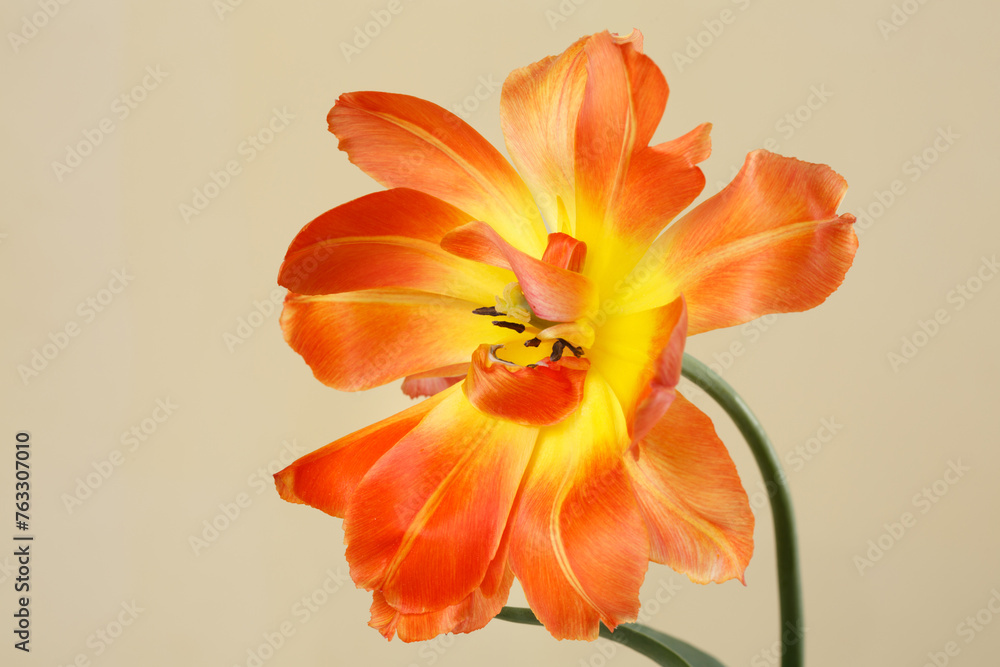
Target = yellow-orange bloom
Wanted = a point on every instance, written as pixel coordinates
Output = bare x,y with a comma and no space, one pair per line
554,446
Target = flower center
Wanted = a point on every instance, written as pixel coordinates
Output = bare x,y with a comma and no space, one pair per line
554,339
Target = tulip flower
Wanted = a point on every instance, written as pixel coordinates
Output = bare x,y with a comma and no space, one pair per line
542,315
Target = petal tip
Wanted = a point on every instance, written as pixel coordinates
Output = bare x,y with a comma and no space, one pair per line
284,482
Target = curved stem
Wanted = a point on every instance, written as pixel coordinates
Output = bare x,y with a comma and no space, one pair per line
631,635
792,628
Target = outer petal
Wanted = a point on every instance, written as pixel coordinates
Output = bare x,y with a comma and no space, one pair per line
360,340
770,242
622,104
695,508
395,212
475,611
631,351
578,544
386,239
555,294
572,123
694,147
403,141
539,105
537,396
427,520
661,182
326,478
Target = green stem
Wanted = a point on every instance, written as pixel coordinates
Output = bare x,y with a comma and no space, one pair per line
629,634
789,586
668,651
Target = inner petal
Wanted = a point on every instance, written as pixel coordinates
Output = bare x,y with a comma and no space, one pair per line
536,394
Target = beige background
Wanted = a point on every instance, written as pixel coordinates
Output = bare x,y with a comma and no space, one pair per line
879,97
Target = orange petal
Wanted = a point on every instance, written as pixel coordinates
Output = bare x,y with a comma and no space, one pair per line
403,141
770,242
427,520
632,351
647,88
695,508
571,122
326,478
626,192
554,293
661,182
396,212
539,106
536,396
565,252
360,340
579,546
694,147
474,612
386,239
622,105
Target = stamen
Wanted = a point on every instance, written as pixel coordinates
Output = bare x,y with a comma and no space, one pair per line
513,303
534,342
557,350
577,351
579,333
516,326
488,310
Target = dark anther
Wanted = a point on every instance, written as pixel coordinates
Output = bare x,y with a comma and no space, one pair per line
516,326
488,310
577,351
534,342
557,349
532,366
